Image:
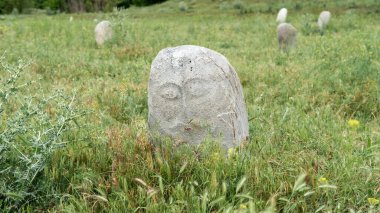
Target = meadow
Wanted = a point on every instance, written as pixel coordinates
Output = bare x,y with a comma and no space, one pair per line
314,114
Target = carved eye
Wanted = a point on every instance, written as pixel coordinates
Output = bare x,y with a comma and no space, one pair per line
170,91
197,87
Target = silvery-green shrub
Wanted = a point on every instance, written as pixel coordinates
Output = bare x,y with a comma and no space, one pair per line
32,127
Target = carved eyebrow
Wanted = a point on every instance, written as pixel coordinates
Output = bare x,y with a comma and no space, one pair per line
167,84
194,79
204,80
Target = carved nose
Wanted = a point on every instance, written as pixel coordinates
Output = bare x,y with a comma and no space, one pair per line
188,128
186,110
185,118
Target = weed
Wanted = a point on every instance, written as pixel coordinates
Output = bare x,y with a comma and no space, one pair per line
33,127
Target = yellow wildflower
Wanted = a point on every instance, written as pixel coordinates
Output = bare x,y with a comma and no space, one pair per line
215,156
373,201
353,123
231,152
322,180
242,206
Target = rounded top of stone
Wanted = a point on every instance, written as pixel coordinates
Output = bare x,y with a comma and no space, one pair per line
179,56
286,25
104,23
325,12
191,51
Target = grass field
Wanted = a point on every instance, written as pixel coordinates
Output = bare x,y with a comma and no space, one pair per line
303,155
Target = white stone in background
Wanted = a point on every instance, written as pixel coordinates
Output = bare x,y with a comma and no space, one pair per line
324,19
194,93
103,32
281,17
287,36
71,19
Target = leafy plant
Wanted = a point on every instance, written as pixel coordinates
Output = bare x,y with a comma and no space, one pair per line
32,128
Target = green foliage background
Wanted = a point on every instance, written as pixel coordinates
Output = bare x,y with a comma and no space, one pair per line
25,6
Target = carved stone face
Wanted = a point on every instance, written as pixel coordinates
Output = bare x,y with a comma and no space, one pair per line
194,93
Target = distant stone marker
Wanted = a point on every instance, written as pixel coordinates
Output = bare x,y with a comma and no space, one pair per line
281,17
323,19
71,19
194,93
287,36
103,32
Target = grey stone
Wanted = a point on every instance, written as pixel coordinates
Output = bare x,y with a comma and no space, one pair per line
193,94
103,32
281,17
324,19
287,36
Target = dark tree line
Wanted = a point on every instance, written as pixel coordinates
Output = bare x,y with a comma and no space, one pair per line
22,6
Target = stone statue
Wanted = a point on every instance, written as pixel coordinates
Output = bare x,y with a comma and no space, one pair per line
103,32
281,16
193,94
324,19
287,36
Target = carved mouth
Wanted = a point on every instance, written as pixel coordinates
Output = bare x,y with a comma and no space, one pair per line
185,132
181,127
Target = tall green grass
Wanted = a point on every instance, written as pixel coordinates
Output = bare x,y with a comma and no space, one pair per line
302,155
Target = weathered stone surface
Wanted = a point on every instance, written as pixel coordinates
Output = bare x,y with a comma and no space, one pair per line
287,36
194,93
103,32
324,19
281,17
